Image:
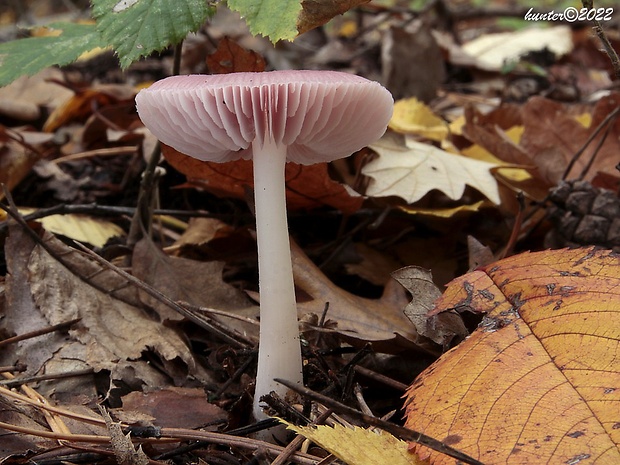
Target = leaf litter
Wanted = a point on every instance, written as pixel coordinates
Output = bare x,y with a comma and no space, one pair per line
127,349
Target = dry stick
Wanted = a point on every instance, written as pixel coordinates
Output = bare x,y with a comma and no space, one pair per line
38,332
165,434
13,368
359,396
398,431
14,382
109,152
380,378
142,219
597,148
609,49
235,441
59,411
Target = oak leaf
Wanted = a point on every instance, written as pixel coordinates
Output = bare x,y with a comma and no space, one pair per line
413,170
539,380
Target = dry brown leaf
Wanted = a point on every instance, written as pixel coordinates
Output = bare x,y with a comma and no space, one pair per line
307,187
21,314
442,329
112,334
80,106
174,407
31,94
380,321
124,450
16,161
181,279
413,170
553,136
25,416
538,381
553,133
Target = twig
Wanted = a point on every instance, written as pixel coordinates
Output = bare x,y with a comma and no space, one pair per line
14,382
609,49
18,368
108,152
380,378
38,332
398,431
359,396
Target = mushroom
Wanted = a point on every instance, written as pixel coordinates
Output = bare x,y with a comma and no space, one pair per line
272,117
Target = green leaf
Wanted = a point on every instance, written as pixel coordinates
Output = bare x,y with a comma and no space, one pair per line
276,19
137,28
29,56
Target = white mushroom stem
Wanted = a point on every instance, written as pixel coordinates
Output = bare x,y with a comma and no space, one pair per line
279,353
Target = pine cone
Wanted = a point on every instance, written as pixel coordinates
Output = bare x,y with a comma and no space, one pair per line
583,215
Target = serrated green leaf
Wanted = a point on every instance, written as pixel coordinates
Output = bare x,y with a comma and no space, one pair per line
137,28
29,56
276,19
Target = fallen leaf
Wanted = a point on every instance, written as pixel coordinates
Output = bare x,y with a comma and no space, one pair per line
307,187
414,117
493,51
174,407
82,228
16,161
443,328
359,446
80,106
538,381
113,331
182,279
124,450
380,321
548,126
444,212
552,134
413,170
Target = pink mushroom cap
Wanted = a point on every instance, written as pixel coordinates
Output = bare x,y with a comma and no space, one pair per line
319,115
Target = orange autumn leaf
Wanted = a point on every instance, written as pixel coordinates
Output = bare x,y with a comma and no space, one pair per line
539,380
307,187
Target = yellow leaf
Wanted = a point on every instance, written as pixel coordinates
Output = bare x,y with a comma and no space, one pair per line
82,228
413,117
445,212
358,446
412,171
539,380
512,173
